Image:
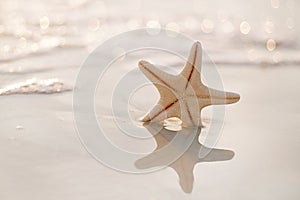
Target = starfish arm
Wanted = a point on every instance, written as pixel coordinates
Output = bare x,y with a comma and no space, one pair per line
160,134
162,137
216,155
185,171
162,110
192,68
189,114
211,96
152,160
157,76
168,104
155,159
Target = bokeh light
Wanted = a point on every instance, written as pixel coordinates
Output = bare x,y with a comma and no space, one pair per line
271,44
245,27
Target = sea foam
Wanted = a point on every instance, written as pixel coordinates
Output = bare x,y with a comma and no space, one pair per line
36,86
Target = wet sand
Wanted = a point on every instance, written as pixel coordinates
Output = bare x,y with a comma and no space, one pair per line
45,158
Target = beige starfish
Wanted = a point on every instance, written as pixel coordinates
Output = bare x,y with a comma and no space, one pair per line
183,95
184,165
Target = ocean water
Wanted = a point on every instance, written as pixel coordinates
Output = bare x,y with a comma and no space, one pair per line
255,47
263,32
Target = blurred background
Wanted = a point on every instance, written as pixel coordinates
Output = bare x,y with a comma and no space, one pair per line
233,32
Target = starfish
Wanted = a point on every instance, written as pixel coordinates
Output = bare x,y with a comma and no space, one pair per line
183,95
184,165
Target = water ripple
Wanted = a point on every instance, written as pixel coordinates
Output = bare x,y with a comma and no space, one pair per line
36,86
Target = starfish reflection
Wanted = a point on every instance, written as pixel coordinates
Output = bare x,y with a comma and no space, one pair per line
185,164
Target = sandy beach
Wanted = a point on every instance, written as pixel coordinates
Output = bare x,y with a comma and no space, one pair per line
41,154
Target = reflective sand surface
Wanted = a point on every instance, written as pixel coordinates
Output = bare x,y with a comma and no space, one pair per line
46,160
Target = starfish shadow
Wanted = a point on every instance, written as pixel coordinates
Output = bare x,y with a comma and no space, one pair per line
184,165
